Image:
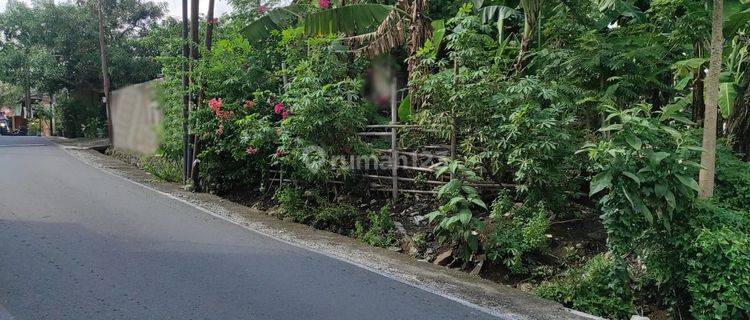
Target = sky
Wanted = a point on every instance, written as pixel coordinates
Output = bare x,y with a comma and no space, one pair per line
173,6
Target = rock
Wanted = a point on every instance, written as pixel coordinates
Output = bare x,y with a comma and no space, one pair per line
400,228
526,287
637,317
478,267
442,259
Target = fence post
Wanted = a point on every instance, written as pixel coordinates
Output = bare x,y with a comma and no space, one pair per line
394,151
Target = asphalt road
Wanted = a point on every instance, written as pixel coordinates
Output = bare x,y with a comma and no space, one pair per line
78,243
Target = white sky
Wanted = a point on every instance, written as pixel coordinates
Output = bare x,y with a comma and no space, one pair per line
173,6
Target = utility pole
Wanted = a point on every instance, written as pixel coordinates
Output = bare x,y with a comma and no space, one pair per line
185,96
194,38
105,70
195,170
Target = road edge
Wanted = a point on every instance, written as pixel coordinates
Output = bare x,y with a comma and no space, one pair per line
472,291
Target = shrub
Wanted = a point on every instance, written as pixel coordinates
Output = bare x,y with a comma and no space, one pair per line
718,275
380,230
292,204
456,220
515,231
336,217
732,180
645,175
588,289
161,167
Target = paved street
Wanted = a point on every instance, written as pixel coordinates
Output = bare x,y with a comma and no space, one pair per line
78,243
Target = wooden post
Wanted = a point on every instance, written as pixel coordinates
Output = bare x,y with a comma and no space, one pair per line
454,129
105,71
186,153
394,142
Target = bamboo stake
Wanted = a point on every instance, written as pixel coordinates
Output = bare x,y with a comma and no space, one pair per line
394,141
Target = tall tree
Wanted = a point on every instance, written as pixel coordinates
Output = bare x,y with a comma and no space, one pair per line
708,155
531,9
105,69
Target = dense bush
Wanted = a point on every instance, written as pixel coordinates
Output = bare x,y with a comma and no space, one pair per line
379,231
732,180
589,289
718,275
516,231
644,170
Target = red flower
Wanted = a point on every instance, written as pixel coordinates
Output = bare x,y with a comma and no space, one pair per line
215,105
325,4
213,21
262,9
278,108
249,104
251,150
284,114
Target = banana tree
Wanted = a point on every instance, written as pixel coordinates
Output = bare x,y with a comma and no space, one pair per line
350,20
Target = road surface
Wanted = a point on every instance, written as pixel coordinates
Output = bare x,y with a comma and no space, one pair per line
78,243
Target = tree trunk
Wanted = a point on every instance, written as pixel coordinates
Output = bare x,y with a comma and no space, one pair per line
699,105
531,10
417,35
105,71
708,156
186,153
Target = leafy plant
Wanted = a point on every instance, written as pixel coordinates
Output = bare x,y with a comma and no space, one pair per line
515,231
644,175
718,275
588,289
293,204
455,217
379,231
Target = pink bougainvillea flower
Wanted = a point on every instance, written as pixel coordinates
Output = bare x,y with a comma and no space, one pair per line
285,114
324,4
249,104
278,108
262,9
251,150
215,105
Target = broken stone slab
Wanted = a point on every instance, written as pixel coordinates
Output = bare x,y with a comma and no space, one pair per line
442,258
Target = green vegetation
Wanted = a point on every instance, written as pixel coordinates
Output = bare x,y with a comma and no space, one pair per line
52,48
379,231
564,115
588,289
